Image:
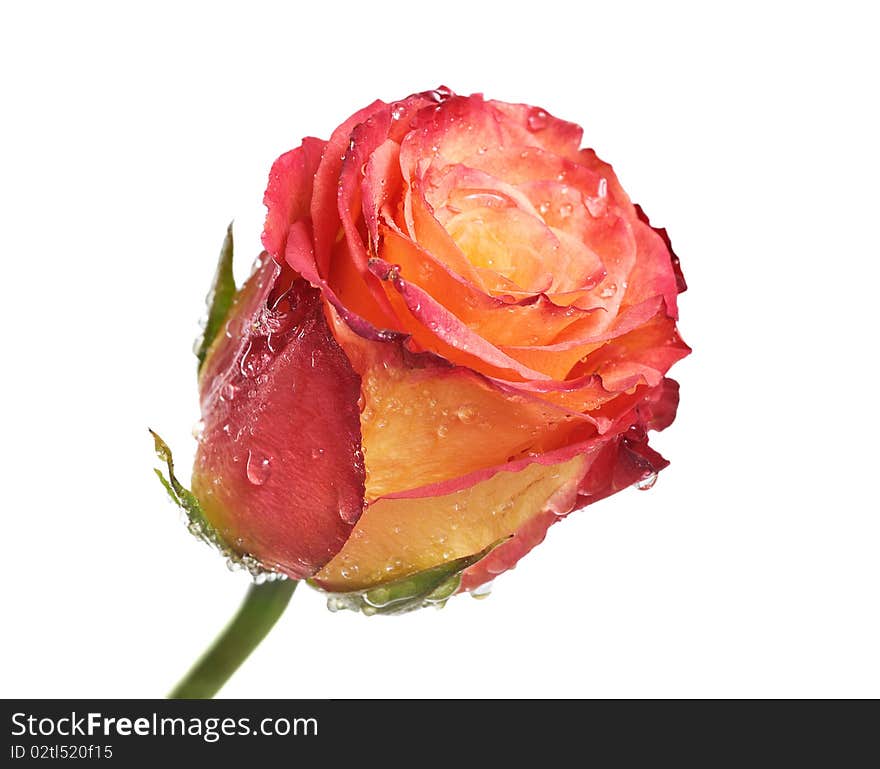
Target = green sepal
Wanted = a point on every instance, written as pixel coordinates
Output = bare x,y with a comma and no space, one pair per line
219,298
185,499
199,526
432,587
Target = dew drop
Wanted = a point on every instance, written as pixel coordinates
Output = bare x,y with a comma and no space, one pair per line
565,210
609,291
245,364
350,571
440,94
227,392
198,429
317,453
544,208
483,591
257,468
537,119
647,482
442,431
466,413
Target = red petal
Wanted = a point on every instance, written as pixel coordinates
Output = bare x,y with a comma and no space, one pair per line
289,192
278,470
325,216
615,465
680,283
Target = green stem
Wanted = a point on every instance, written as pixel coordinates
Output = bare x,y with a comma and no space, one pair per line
262,607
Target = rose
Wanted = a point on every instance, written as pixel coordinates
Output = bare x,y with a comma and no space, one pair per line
458,333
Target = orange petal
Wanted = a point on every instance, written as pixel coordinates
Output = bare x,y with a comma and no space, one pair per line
425,230
434,328
536,320
418,414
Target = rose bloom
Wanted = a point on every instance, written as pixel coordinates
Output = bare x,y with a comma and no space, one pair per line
458,333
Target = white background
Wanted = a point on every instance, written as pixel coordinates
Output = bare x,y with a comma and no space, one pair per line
129,140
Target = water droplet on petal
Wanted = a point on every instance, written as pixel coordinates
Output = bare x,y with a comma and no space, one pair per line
316,453
257,468
597,207
245,365
565,210
646,482
442,431
609,291
537,119
347,572
440,94
198,429
466,413
483,591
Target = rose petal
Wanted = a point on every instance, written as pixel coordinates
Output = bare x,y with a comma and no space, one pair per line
435,328
289,192
416,530
278,470
534,318
324,211
558,359
618,464
424,229
527,125
652,274
397,537
680,283
417,415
